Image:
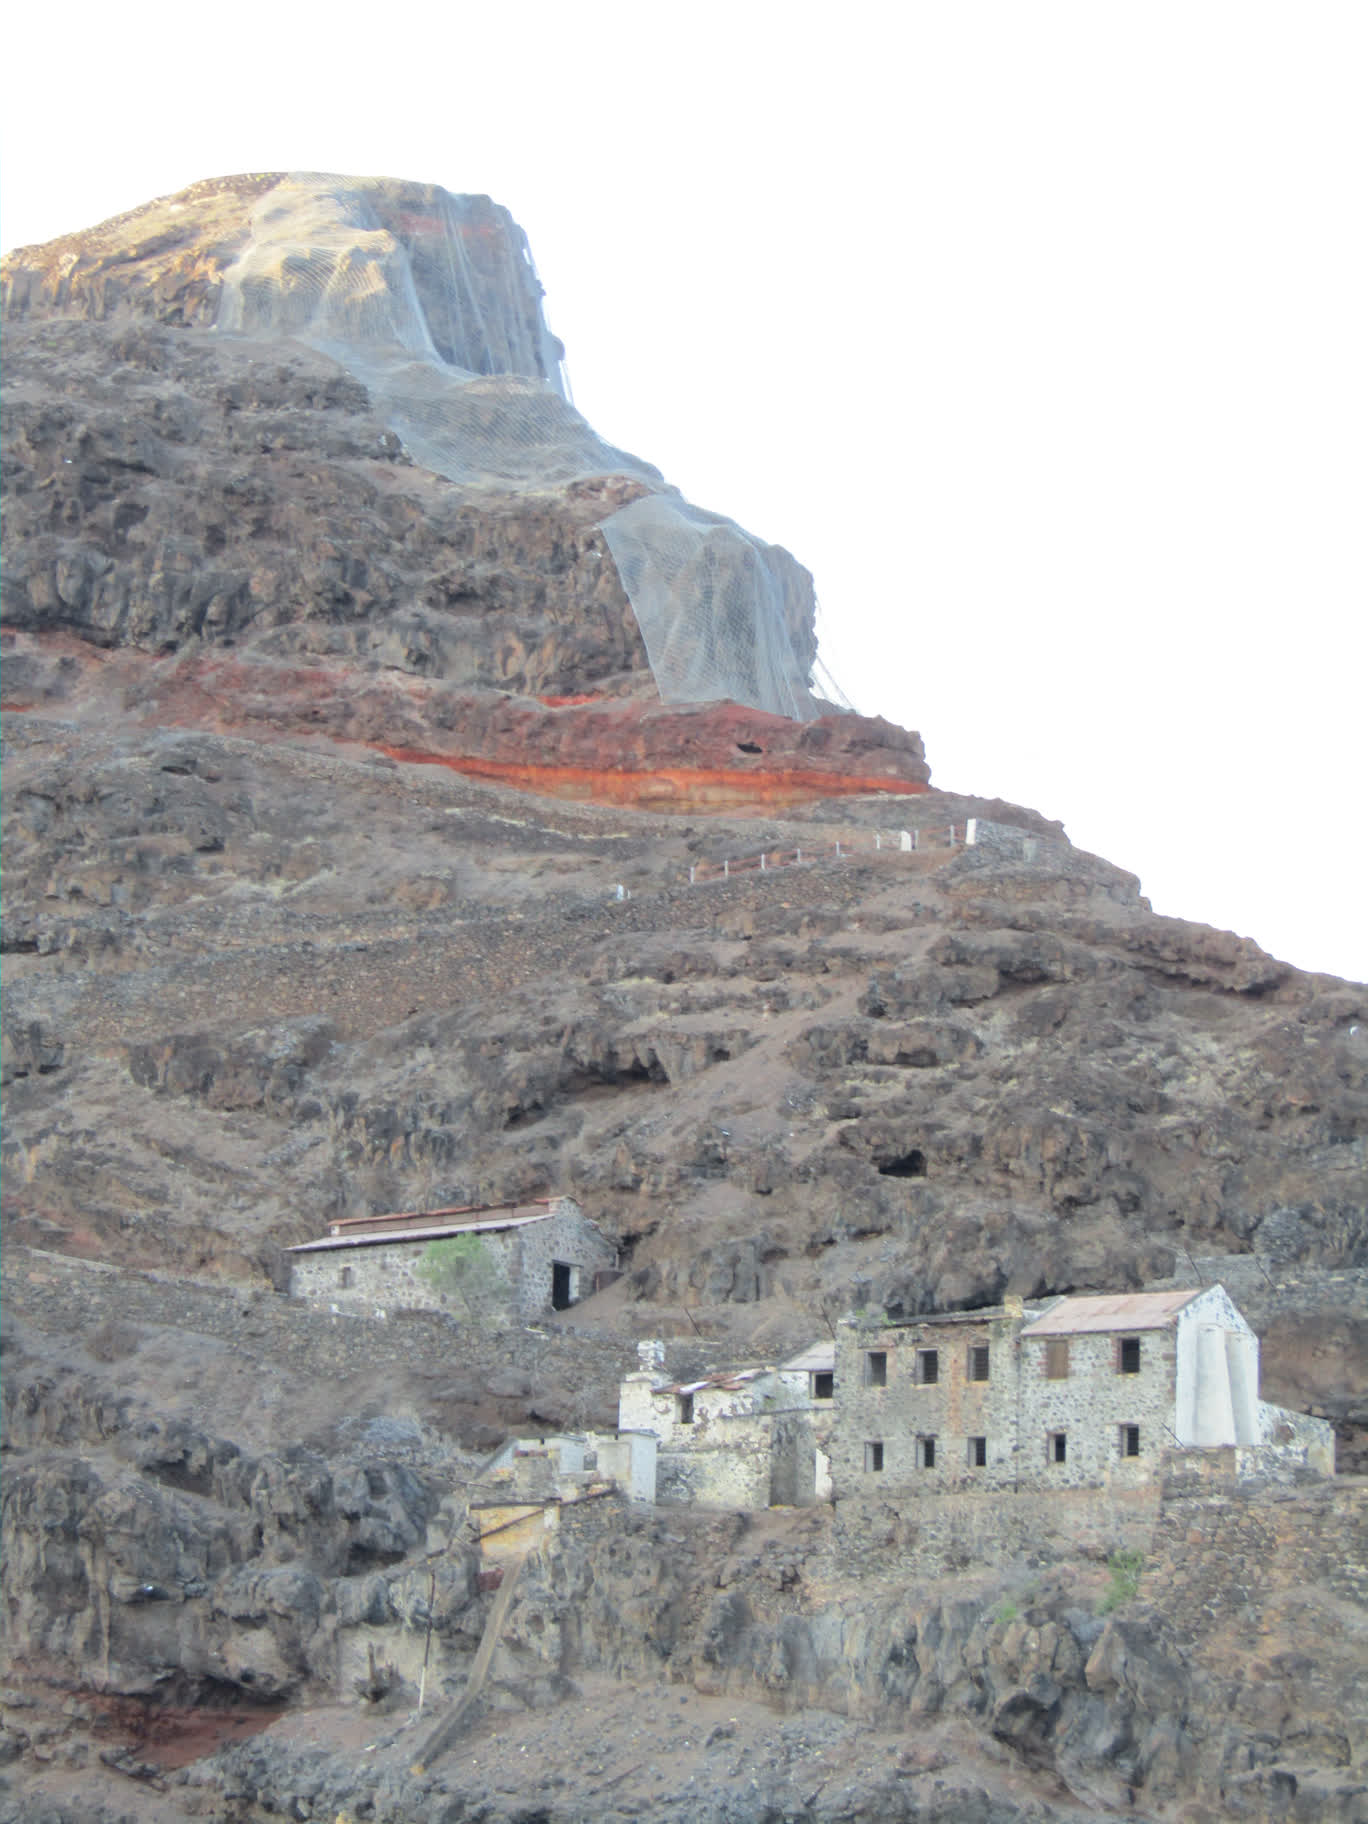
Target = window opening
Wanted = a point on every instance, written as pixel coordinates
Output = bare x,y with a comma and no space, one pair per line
978,1361
874,1456
978,1453
684,1409
1130,1440
926,1453
345,1277
928,1367
1057,1359
824,1384
876,1368
1058,1447
1128,1355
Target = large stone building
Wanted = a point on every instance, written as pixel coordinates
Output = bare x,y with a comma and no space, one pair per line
520,1261
1083,1392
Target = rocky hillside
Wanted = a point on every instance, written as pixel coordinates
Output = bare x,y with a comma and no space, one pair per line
355,863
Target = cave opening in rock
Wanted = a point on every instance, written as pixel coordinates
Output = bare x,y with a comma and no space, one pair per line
907,1165
749,747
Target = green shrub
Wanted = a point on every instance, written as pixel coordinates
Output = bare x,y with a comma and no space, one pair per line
463,1266
1125,1567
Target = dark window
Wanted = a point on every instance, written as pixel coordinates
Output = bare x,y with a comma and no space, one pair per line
346,1276
1130,1440
874,1456
685,1409
1057,1359
824,1384
1128,1355
978,1453
926,1453
562,1285
1058,1446
978,1361
928,1367
876,1368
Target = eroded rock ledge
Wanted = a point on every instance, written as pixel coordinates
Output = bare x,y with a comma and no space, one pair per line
713,756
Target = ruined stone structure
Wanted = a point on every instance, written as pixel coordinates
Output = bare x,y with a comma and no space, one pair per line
753,1437
1085,1392
1081,1393
532,1259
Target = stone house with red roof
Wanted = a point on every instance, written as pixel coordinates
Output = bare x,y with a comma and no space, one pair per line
535,1258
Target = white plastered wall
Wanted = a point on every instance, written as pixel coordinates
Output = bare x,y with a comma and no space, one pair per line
1217,1374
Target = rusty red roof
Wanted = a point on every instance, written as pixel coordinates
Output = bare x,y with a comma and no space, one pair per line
370,1238
461,1209
1112,1311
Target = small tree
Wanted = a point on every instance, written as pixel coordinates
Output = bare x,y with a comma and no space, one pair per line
464,1266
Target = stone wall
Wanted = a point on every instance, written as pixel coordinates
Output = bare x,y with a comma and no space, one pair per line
1090,1423
376,1280
946,1534
567,1235
1295,1436
900,1415
734,1471
1088,1409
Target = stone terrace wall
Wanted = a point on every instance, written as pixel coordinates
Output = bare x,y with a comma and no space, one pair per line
1219,1544
941,1535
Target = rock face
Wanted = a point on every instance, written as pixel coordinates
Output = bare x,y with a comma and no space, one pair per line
355,321
354,863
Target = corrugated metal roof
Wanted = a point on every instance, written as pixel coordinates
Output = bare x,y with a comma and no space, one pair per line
461,1209
728,1381
817,1358
370,1239
1112,1311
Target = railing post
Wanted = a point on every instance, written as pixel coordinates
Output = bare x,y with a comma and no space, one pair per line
726,870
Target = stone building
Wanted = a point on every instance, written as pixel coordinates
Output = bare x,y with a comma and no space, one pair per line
530,1260
746,1437
1082,1392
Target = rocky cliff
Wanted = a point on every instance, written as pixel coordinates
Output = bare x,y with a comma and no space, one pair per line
356,861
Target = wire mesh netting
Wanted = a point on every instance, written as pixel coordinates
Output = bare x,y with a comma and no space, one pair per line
432,301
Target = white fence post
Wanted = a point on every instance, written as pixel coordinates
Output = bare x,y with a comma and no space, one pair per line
971,833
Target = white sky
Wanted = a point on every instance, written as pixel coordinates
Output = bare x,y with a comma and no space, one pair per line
1037,331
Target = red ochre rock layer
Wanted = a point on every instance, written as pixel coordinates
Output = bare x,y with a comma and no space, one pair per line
622,751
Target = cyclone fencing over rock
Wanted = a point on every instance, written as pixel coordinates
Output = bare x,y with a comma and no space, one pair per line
433,302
